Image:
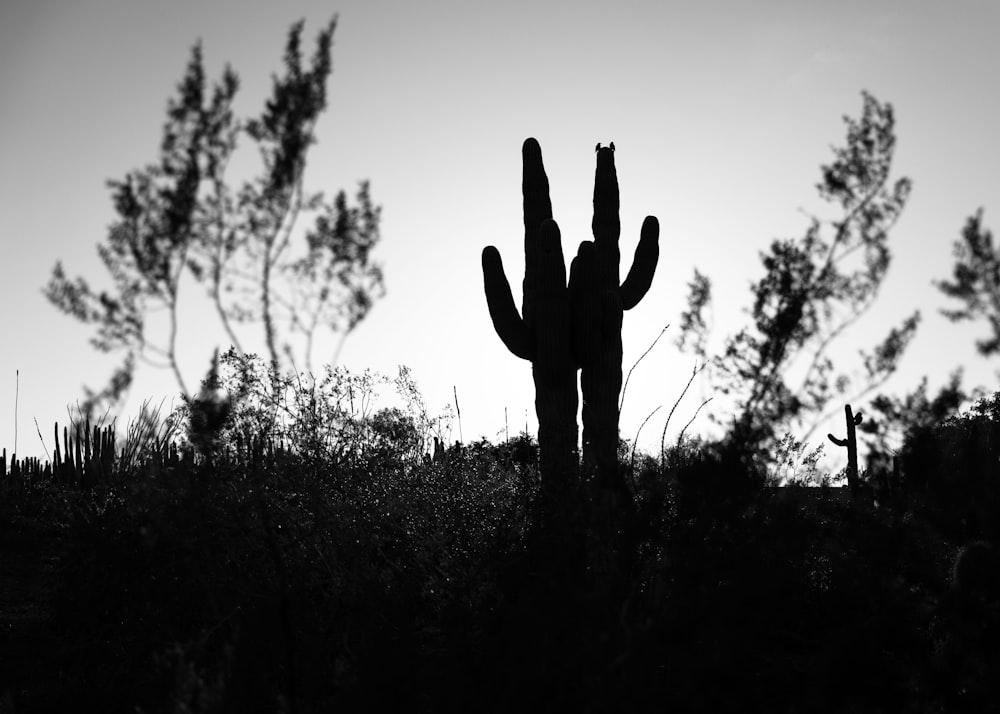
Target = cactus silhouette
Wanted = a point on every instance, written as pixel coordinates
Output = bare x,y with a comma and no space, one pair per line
542,333
851,442
602,313
565,326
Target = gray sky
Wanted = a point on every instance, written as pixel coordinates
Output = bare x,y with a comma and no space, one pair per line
722,113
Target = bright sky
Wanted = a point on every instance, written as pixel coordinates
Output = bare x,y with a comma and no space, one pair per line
721,112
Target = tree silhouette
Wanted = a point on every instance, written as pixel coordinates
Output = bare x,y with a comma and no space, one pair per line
897,417
808,296
976,281
181,217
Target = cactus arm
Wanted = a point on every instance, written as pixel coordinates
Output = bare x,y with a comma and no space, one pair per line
640,275
508,324
835,440
857,418
852,448
537,209
517,332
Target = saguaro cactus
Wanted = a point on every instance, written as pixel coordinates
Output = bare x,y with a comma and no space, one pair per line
562,327
601,377
851,442
542,333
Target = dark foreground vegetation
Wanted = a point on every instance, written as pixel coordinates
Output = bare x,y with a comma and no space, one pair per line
287,558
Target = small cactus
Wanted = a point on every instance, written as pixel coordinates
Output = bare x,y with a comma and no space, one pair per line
851,442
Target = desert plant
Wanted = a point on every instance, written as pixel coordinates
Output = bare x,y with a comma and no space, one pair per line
601,313
949,472
897,416
543,333
808,296
562,327
794,466
181,216
851,442
976,281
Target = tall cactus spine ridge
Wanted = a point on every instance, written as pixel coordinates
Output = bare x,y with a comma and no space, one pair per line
851,442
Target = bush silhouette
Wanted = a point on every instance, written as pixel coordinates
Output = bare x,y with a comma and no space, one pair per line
950,470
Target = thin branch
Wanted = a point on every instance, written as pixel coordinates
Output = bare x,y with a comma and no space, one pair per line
340,347
636,442
290,218
694,372
41,439
680,436
829,338
648,349
219,259
282,235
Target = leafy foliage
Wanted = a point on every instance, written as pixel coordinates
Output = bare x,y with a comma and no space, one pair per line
976,281
950,467
333,418
183,217
897,417
807,298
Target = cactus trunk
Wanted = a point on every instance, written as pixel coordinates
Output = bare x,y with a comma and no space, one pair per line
852,450
542,333
553,370
601,378
851,442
